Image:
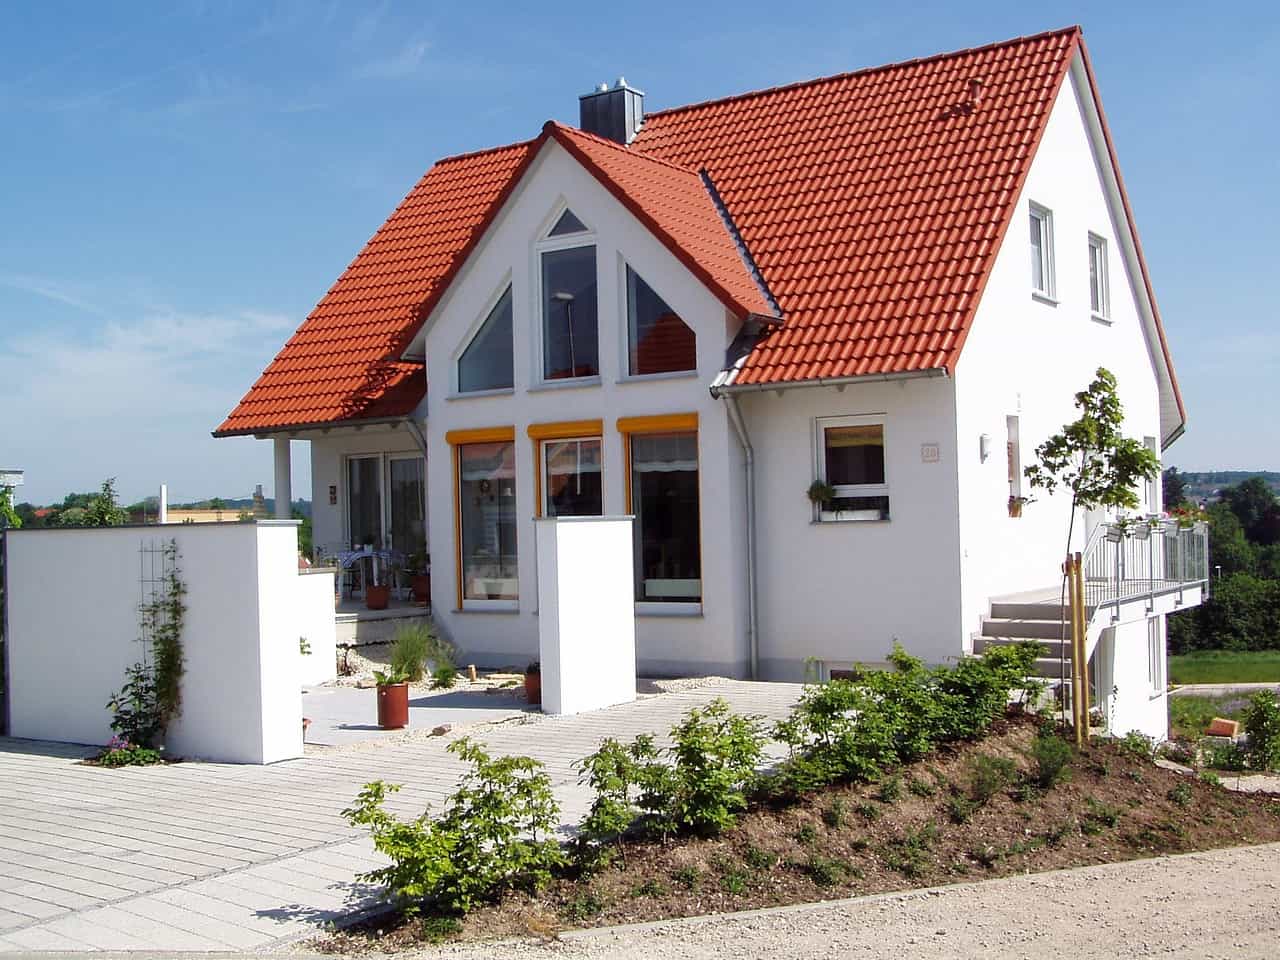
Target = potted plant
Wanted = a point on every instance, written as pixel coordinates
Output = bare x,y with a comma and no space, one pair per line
533,684
393,698
420,577
821,494
1016,504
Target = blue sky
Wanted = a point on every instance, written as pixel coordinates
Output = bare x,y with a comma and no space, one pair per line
179,184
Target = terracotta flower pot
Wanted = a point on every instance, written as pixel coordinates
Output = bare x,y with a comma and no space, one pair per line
422,587
1015,508
377,597
393,706
533,688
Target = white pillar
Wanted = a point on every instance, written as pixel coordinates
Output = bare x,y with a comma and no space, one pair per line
163,513
284,478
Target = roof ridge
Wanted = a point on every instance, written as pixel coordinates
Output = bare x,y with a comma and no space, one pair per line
864,71
472,154
613,144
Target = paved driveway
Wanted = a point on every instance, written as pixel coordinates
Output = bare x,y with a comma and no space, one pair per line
198,856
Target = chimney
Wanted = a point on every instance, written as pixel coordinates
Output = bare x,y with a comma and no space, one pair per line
614,113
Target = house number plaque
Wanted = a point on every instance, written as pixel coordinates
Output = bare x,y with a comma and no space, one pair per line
930,453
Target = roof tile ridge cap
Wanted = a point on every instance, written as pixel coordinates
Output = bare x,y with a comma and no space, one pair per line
558,129
865,71
473,154
739,242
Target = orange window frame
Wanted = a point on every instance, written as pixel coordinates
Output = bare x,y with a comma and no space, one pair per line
559,430
456,439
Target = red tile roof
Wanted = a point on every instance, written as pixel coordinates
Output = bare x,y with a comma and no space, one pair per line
343,362
872,203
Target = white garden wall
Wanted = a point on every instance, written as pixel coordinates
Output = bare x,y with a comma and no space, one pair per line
73,597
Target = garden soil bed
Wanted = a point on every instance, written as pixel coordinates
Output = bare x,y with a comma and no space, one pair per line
866,839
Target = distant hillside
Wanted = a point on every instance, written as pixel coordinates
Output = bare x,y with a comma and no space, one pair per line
243,503
1202,485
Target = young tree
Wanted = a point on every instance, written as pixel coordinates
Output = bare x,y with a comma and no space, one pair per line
103,510
1173,488
1091,457
8,516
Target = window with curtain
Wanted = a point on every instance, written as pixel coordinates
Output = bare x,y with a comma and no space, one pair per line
659,341
569,345
852,462
487,514
486,363
572,478
664,499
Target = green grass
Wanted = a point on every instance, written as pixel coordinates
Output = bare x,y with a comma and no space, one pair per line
1226,666
1189,716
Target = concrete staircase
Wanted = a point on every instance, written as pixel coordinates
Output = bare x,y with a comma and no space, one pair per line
1015,621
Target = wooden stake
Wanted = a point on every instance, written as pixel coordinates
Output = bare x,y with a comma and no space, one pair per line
1083,620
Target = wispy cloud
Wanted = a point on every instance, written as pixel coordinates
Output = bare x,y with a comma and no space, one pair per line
52,290
403,63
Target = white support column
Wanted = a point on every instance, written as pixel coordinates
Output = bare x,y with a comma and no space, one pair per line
284,478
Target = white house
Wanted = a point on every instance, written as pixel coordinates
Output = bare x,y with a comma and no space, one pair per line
691,316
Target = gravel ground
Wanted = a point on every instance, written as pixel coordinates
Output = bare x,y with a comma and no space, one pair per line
1141,908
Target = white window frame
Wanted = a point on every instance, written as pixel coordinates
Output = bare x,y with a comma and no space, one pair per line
456,391
384,494
1156,654
1098,254
821,425
549,244
1048,292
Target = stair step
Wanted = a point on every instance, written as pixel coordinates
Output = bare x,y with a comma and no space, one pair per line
1026,611
1023,629
1052,668
1051,648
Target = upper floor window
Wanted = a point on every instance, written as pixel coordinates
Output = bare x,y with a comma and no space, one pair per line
569,333
486,363
1099,282
567,224
658,340
1042,279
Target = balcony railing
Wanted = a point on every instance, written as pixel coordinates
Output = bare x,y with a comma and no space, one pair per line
1129,560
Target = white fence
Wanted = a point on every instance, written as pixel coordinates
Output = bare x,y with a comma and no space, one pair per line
73,628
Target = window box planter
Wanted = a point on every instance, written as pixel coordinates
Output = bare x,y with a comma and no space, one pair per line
393,705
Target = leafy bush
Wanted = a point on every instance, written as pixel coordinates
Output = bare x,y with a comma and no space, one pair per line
409,649
444,676
1226,756
121,753
853,730
990,775
611,773
1052,756
1137,745
1262,723
1180,794
136,708
496,833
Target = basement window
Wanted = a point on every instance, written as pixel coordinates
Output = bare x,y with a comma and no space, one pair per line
851,462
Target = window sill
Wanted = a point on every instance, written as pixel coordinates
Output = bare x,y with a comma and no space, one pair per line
472,394
650,377
1099,318
565,384
648,609
1042,297
489,606
837,518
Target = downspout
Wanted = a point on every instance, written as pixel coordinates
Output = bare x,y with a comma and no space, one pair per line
753,634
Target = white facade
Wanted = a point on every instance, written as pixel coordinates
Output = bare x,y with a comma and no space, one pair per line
73,595
830,593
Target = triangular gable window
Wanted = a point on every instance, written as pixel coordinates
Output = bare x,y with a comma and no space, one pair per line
660,342
567,224
487,363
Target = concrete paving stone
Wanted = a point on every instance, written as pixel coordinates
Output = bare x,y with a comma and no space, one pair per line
156,917
42,938
50,895
165,934
29,906
185,901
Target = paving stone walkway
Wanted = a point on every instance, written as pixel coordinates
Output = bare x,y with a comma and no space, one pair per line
198,856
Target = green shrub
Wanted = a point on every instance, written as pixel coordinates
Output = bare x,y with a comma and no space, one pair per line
1137,745
853,730
611,773
444,676
989,776
825,871
497,832
1262,723
960,809
687,877
890,789
1227,756
412,647
835,814
759,859
1052,758
651,888
583,907
1180,794
441,928
910,853
806,834
1211,778
1099,815
921,788
121,753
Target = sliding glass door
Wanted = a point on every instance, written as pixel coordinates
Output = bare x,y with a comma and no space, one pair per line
386,501
364,501
408,500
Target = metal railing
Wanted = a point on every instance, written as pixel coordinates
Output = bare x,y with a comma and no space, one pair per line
1132,559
